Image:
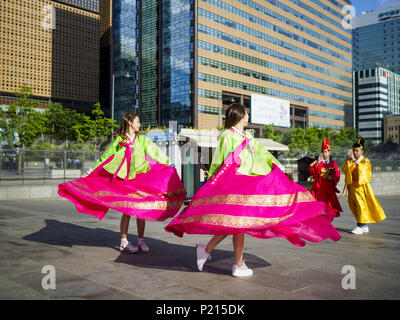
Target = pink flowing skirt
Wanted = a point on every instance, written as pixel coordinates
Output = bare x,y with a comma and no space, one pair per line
155,195
261,206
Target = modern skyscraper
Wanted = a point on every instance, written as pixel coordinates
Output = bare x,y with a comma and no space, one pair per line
376,39
52,47
91,5
392,128
376,65
377,94
193,58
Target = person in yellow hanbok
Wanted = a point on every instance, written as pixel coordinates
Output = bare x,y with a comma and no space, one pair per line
362,201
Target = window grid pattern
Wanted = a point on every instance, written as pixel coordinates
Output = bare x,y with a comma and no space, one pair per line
149,68
210,110
285,32
92,5
255,33
293,12
124,55
270,65
276,54
177,64
272,92
262,76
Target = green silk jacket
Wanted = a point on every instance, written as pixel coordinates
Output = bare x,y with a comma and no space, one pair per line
143,146
259,163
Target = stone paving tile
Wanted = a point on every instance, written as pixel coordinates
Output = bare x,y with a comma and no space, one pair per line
11,290
134,282
18,264
68,286
183,292
89,266
238,288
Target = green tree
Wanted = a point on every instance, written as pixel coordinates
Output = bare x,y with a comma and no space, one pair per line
71,126
297,142
6,131
21,121
343,140
66,124
101,127
269,132
308,142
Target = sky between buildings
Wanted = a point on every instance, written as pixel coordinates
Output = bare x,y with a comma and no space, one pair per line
367,5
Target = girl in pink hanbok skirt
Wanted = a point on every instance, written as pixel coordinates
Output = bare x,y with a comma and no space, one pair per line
248,193
133,177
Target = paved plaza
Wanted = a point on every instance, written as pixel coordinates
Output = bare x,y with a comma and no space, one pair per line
84,253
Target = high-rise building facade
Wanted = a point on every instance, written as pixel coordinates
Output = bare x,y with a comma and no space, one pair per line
392,129
52,47
195,57
376,65
377,94
376,39
91,5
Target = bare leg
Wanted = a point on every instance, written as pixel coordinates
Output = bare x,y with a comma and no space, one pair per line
140,227
124,225
238,243
213,242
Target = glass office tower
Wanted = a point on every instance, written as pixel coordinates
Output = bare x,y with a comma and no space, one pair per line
195,57
177,61
124,57
376,39
376,64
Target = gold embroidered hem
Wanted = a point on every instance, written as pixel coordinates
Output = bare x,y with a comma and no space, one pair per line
281,200
134,195
140,194
145,205
234,221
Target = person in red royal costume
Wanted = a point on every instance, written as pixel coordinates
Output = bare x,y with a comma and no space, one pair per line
326,176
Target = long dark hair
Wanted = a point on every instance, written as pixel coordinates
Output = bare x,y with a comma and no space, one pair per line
234,113
124,125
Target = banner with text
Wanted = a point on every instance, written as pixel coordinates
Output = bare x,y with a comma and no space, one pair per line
267,110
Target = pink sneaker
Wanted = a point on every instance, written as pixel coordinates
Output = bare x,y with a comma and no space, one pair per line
127,247
143,246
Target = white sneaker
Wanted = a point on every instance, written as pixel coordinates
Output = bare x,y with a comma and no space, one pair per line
202,256
143,246
357,230
242,271
365,229
127,247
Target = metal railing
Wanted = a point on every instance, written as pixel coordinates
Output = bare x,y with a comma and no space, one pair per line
31,167
378,165
34,167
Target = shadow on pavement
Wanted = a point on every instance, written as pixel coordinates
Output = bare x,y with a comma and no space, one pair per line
163,255
344,230
65,234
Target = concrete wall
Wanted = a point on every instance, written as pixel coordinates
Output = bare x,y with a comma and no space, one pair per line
382,183
28,192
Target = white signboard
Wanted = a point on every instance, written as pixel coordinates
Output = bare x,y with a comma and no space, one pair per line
267,110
